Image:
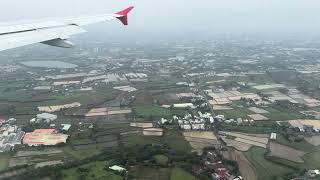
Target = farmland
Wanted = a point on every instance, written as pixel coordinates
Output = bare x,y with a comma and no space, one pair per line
265,169
150,112
286,152
180,174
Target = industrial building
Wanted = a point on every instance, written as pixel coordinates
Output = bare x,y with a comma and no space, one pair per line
44,137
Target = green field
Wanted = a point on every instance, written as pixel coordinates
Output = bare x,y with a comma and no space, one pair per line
93,171
265,169
180,174
235,113
151,112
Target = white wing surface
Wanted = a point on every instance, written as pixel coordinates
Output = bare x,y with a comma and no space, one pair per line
53,32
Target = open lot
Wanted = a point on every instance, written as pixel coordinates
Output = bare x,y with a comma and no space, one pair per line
285,152
200,139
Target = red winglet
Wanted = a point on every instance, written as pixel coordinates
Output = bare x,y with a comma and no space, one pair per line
124,15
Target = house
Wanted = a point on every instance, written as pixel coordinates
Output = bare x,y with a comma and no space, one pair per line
273,136
117,168
313,173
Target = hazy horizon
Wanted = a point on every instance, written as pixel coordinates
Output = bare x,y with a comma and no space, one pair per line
176,18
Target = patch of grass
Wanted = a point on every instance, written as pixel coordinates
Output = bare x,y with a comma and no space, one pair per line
4,161
180,174
265,169
80,154
235,113
161,159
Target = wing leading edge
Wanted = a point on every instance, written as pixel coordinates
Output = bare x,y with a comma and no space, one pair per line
53,33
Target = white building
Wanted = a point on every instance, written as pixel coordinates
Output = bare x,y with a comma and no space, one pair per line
46,117
273,136
117,168
183,105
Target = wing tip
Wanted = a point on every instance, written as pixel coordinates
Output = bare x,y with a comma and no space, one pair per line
124,15
125,11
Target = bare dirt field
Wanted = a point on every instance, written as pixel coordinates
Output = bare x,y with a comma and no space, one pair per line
200,134
237,145
285,152
246,169
200,139
251,137
243,141
314,140
254,143
48,163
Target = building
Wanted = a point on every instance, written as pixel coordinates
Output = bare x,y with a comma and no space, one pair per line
273,136
65,127
45,137
50,109
183,105
117,168
45,117
153,132
313,173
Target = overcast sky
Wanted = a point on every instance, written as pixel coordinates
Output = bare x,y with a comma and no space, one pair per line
181,16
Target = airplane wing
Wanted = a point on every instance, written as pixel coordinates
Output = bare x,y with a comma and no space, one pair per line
52,32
